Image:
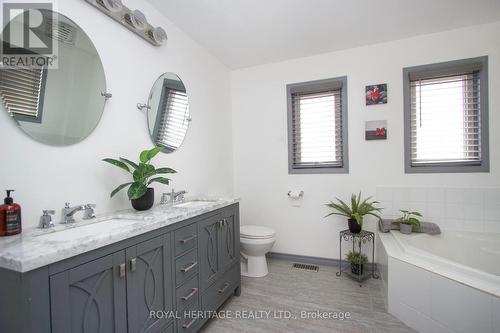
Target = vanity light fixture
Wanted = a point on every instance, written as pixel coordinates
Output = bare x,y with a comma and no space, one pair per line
134,20
114,6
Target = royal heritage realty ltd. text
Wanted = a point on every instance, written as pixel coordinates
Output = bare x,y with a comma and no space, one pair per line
245,314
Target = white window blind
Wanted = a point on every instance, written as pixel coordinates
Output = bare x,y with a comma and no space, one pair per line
21,92
174,122
317,129
446,119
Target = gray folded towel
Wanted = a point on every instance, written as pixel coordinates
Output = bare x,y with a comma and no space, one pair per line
386,225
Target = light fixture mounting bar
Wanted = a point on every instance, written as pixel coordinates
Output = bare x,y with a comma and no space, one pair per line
133,20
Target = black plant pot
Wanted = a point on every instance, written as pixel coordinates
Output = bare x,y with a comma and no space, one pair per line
146,201
354,226
357,269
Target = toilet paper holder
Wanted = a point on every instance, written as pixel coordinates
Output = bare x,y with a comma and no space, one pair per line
296,194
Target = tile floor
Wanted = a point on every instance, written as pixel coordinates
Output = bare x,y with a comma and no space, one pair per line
294,290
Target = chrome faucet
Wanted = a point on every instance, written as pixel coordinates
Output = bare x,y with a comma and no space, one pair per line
68,212
46,219
173,197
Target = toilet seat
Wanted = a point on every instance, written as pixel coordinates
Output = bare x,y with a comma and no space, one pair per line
256,232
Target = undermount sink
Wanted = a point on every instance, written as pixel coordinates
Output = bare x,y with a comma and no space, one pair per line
194,204
104,226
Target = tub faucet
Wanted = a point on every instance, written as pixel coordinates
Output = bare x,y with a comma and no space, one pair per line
68,212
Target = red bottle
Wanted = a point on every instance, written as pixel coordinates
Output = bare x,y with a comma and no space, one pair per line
10,217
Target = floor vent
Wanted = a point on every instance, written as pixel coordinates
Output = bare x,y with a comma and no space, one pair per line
306,267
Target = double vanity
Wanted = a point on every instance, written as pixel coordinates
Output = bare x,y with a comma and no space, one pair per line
163,270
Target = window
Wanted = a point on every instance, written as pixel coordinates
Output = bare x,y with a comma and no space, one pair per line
317,126
446,117
22,92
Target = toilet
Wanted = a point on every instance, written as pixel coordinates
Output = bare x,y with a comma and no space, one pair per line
255,242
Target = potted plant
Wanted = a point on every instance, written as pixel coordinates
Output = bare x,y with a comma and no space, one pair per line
357,260
141,196
408,220
356,212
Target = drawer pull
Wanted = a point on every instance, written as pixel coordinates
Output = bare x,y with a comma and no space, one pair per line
121,270
185,240
193,292
133,264
190,267
221,291
188,325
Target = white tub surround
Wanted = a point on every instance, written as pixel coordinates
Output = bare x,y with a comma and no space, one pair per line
36,248
452,208
442,283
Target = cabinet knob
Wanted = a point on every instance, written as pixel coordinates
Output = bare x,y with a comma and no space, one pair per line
187,239
190,267
188,325
121,270
133,264
221,291
191,294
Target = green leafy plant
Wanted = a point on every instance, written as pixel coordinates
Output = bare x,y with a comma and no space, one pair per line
356,258
142,173
358,209
410,218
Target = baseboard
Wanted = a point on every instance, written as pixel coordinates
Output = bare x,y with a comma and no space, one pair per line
304,259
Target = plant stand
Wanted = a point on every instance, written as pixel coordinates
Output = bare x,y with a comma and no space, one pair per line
357,239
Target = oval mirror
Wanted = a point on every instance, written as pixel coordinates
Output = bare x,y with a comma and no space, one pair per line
168,114
60,101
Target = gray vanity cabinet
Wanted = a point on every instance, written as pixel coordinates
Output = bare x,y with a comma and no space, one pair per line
115,293
184,266
219,249
90,297
149,287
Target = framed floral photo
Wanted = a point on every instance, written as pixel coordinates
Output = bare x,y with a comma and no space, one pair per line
376,130
376,94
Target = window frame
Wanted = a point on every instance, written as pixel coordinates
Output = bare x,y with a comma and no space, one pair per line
317,86
448,68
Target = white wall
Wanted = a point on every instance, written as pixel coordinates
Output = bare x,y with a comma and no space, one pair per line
260,138
45,177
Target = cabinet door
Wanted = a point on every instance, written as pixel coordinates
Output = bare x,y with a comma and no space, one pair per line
90,297
149,284
230,252
209,249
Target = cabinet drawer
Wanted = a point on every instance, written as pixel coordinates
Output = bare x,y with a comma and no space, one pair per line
220,290
185,239
186,266
186,293
189,320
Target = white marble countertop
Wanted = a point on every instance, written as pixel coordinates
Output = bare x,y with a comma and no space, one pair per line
35,248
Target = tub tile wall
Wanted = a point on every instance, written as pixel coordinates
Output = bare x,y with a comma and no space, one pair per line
469,209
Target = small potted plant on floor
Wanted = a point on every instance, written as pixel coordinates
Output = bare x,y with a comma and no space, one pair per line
408,221
357,260
356,212
141,196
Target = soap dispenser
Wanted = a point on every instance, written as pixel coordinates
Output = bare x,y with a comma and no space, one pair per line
10,217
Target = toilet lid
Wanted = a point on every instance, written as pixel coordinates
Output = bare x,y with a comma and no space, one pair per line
256,232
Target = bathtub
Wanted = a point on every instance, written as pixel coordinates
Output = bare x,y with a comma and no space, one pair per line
442,283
